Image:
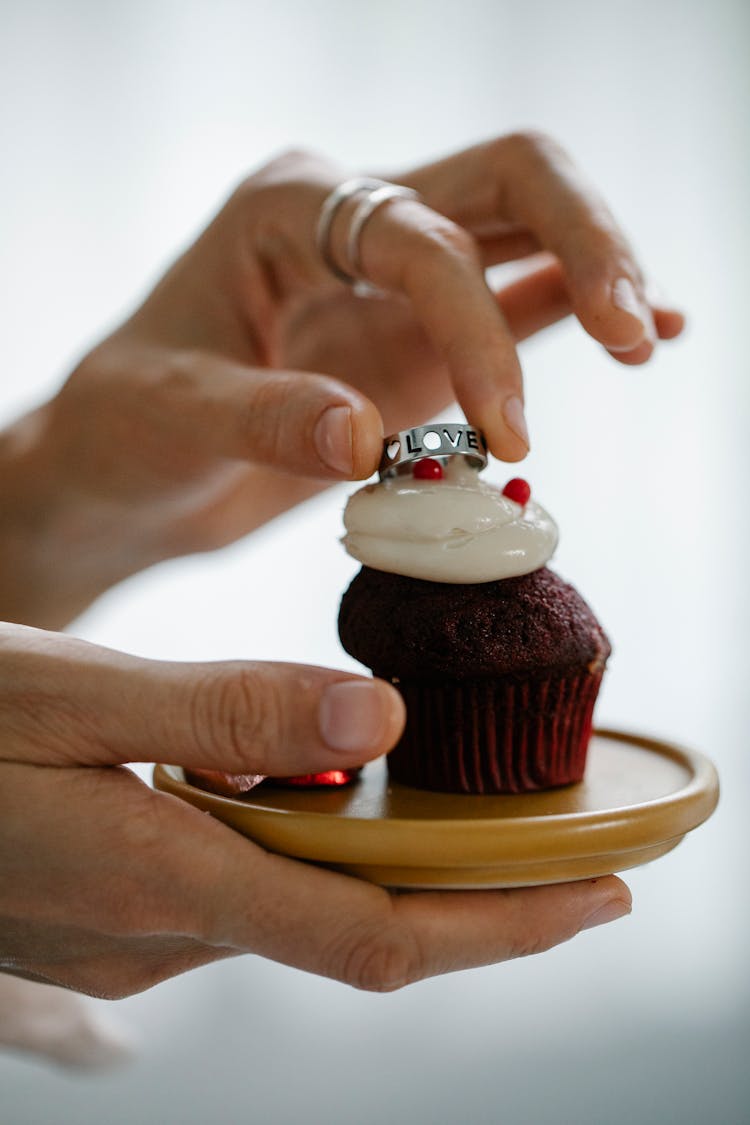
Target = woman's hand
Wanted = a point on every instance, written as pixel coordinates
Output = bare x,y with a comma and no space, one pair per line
251,376
108,887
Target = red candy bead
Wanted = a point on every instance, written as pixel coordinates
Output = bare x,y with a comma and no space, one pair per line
428,469
518,490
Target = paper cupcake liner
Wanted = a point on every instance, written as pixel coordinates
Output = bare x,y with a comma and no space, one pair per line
495,736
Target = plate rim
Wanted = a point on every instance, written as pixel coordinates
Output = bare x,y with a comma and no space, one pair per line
585,832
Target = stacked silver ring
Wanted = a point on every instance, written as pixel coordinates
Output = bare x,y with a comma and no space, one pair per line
374,194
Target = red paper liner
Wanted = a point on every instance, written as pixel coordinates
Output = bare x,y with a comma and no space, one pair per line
495,736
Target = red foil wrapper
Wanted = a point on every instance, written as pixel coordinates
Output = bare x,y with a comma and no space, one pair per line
330,779
234,784
495,736
226,784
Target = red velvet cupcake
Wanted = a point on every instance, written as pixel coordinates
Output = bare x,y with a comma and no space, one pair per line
498,660
499,678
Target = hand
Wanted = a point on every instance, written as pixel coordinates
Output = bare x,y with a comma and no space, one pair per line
60,1026
108,887
251,377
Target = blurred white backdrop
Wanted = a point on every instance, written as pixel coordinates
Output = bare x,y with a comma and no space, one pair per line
122,128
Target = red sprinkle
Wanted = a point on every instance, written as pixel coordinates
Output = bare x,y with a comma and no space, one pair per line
519,490
428,469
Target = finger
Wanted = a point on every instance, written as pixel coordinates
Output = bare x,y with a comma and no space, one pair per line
70,702
409,249
108,858
668,324
507,247
358,933
308,424
668,318
405,248
669,321
540,298
526,181
535,301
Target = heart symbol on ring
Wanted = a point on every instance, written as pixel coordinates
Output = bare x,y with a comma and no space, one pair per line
392,450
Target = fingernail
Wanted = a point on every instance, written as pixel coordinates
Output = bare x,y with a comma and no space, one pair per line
624,297
611,911
648,318
515,418
655,295
353,716
333,439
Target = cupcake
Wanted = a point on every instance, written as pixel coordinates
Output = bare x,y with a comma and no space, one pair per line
498,659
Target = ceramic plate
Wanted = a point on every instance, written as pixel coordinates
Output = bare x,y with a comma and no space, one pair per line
638,799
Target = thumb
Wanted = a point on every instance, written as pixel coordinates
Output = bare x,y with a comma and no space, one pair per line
68,702
304,423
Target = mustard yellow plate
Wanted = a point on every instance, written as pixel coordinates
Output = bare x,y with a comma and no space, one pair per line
638,799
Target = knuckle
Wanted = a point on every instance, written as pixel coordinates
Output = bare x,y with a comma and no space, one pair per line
381,960
452,238
531,146
607,256
140,833
528,943
443,241
598,229
288,161
128,903
292,157
289,166
237,717
179,372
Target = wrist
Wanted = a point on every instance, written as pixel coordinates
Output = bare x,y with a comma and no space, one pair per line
57,552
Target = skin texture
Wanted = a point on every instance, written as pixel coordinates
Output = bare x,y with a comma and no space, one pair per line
108,887
196,421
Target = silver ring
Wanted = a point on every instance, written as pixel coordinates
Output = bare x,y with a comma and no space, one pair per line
328,211
440,440
377,193
365,210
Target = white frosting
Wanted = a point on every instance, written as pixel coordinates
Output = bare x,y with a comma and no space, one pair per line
458,529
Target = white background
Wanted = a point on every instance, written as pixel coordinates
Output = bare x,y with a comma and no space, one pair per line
122,128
